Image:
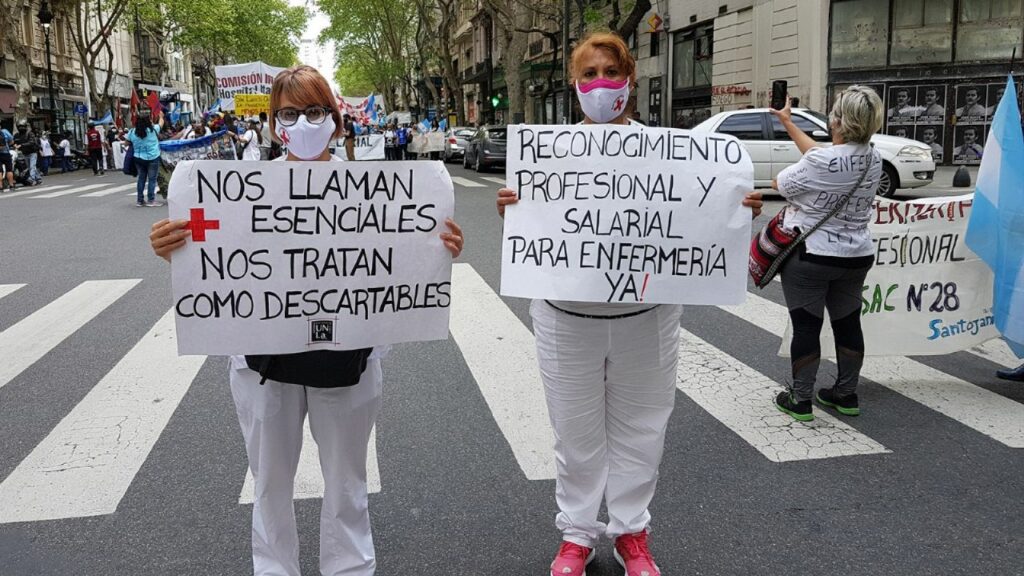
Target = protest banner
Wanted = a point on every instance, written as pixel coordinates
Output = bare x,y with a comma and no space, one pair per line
626,214
367,147
294,256
248,78
927,293
250,105
427,142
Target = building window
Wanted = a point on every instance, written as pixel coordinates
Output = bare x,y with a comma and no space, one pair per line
922,31
692,58
654,101
655,45
989,29
860,33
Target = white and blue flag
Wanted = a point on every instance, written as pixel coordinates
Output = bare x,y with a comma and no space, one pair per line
996,228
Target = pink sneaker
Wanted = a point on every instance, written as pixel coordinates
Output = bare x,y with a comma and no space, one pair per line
572,560
632,553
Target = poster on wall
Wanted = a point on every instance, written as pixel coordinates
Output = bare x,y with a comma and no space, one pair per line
933,136
970,104
995,94
902,108
931,105
901,131
969,144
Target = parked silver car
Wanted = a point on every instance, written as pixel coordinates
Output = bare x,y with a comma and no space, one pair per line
456,141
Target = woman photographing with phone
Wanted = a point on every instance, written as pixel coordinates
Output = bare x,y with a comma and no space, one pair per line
609,371
271,413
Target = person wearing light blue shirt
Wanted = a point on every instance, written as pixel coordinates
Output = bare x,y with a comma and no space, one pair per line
146,157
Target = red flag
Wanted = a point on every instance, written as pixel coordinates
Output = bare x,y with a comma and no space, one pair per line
133,107
154,103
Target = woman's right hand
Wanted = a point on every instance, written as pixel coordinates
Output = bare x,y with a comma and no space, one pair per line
506,196
167,236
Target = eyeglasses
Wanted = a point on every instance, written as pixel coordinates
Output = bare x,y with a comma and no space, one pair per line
314,115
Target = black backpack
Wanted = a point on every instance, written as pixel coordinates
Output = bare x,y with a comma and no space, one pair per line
316,369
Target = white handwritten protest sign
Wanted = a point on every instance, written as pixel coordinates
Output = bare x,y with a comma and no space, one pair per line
927,293
367,147
626,214
294,256
426,142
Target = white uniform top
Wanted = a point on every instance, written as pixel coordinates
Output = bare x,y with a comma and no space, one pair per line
238,361
45,148
252,146
821,178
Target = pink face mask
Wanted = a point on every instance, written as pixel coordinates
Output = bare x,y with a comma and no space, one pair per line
603,100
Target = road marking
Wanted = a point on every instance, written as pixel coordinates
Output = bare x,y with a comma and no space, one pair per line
501,354
88,461
108,191
309,479
32,191
998,352
31,338
6,289
69,192
991,414
740,397
494,179
466,182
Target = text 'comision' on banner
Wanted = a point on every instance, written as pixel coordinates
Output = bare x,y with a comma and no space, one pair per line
927,292
626,214
295,256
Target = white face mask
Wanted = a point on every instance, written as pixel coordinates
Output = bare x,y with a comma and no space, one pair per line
305,140
603,100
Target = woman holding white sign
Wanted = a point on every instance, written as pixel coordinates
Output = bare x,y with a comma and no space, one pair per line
339,390
609,371
830,193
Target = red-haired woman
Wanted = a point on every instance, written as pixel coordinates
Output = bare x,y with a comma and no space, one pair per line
609,372
305,114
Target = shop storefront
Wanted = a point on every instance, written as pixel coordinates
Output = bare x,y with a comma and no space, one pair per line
939,65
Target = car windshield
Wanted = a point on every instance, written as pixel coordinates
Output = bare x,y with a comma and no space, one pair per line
465,133
497,133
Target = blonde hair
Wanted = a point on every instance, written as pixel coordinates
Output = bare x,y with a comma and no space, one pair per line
305,87
857,114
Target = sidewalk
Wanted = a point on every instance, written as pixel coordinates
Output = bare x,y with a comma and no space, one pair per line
942,184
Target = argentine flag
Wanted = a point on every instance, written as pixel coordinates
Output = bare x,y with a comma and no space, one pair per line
995,231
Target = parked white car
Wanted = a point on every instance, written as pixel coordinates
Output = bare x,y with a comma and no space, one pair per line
905,163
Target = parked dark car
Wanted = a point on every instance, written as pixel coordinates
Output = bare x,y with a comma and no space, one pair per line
487,149
456,141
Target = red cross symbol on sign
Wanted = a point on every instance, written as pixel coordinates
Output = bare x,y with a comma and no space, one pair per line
618,104
198,224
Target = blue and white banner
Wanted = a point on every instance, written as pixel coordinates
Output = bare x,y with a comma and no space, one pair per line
996,229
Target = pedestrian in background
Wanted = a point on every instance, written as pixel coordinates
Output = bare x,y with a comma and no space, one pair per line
827,271
95,146
65,153
390,143
402,140
266,140
28,145
7,158
609,372
349,133
271,413
45,153
251,140
146,158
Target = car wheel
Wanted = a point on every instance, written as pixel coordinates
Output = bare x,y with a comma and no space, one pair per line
889,182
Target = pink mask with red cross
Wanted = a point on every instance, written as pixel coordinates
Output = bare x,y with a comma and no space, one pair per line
603,100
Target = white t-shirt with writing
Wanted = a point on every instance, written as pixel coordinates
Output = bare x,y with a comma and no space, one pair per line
814,185
65,146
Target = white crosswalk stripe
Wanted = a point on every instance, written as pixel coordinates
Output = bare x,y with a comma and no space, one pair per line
739,397
86,464
494,179
466,182
108,191
29,191
987,412
24,343
500,353
6,289
73,190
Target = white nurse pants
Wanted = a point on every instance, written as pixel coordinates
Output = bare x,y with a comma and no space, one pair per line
610,387
271,416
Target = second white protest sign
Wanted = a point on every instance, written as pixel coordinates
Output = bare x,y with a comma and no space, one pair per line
295,256
626,214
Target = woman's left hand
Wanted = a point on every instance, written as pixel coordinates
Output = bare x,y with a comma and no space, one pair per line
453,240
754,202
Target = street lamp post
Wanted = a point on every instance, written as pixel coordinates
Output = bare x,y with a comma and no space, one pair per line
46,18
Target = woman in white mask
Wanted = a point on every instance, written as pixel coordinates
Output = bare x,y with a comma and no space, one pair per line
305,118
609,371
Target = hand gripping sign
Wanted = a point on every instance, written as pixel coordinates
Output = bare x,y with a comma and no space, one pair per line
626,214
295,256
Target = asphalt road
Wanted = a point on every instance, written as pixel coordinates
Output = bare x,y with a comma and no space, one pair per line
941,497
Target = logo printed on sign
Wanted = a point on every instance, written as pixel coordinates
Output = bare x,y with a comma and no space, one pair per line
321,331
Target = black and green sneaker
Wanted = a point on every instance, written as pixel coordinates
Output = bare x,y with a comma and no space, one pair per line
799,410
845,405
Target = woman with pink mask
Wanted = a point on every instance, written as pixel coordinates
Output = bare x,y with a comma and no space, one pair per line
609,371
